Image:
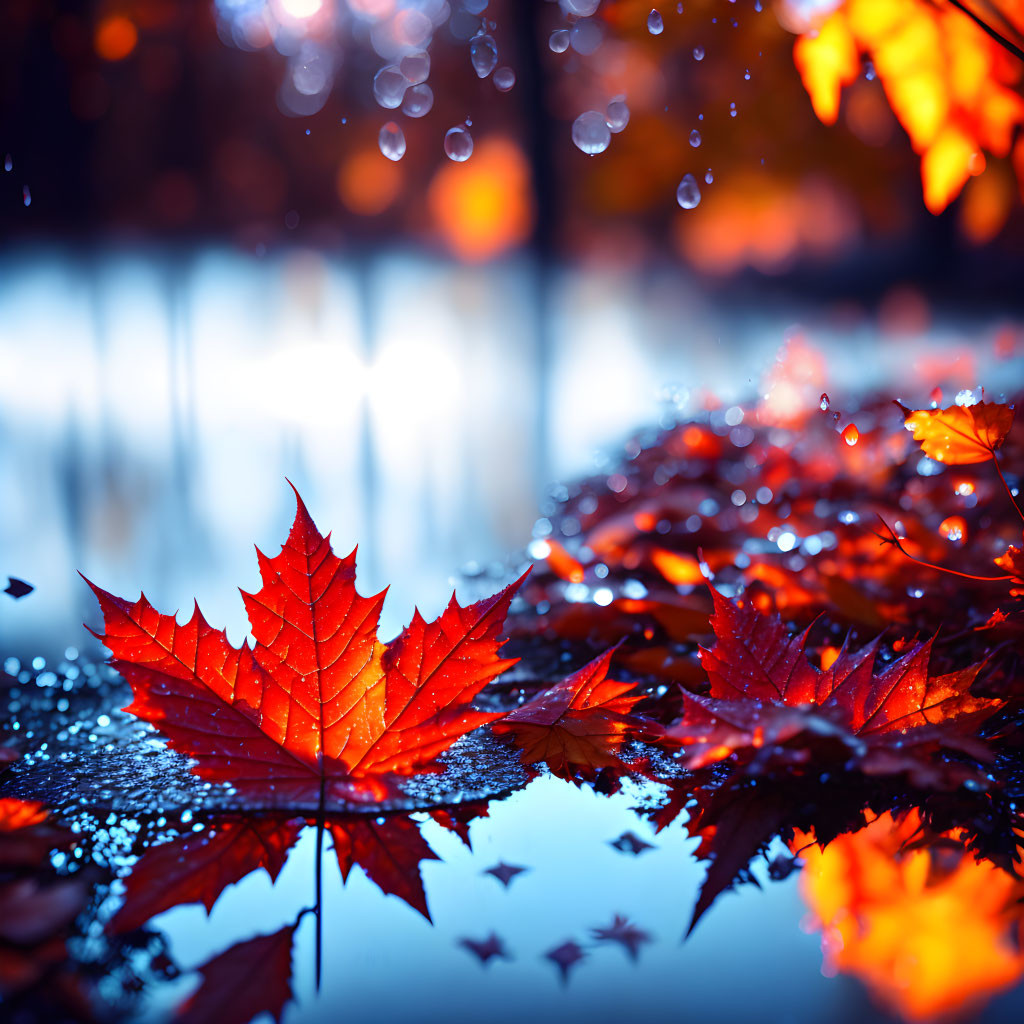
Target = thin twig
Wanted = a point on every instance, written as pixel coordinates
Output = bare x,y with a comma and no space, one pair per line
1006,486
995,34
895,542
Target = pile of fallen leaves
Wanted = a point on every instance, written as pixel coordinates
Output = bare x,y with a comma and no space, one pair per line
792,630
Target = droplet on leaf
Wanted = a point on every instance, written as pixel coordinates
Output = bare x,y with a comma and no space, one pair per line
851,435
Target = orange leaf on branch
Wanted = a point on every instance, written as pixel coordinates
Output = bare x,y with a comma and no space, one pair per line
961,434
319,713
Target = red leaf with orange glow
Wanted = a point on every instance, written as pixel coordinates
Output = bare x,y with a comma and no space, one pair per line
765,694
319,710
577,726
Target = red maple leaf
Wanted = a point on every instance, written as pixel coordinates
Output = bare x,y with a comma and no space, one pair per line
249,979
319,712
765,693
578,725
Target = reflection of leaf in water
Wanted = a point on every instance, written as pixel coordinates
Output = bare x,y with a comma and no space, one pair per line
197,868
251,978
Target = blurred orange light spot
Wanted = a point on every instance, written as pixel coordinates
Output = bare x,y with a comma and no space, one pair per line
115,38
680,570
483,207
930,935
367,183
645,522
828,657
563,564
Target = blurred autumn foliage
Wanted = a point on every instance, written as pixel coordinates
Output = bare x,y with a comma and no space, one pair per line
144,118
928,928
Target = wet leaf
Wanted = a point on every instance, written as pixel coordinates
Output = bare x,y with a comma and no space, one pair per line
319,702
961,434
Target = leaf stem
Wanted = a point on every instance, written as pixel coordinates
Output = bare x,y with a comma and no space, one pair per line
1006,487
895,542
318,904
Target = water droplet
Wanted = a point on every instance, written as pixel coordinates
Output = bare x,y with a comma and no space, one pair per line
504,79
688,192
617,116
851,435
698,53
458,144
708,176
746,75
954,529
966,397
391,140
483,52
389,85
869,71
418,101
655,23
732,109
590,132
695,139
415,67
824,403
8,163
559,40
26,195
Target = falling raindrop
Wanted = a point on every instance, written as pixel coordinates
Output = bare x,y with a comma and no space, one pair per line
851,435
504,79
559,40
616,116
824,403
26,195
590,132
698,53
655,23
415,67
458,144
418,101
708,176
483,52
732,109
391,140
695,139
389,85
688,192
8,163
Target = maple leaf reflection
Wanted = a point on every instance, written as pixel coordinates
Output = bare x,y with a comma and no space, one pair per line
486,949
565,957
624,933
504,873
